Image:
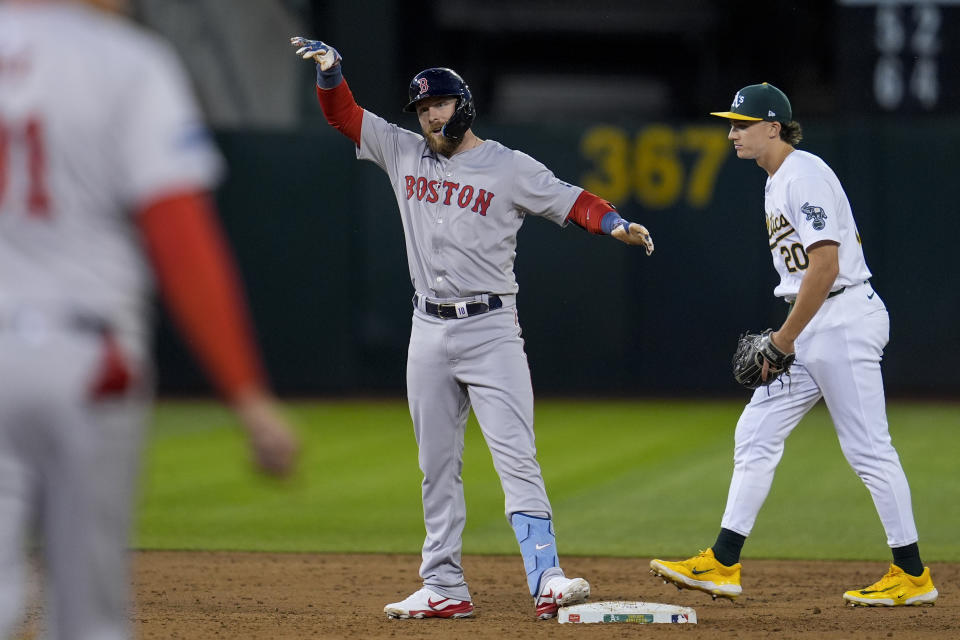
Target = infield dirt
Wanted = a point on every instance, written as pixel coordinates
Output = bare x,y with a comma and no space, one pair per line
200,595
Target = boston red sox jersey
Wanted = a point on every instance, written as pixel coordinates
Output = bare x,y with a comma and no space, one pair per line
461,215
54,162
805,204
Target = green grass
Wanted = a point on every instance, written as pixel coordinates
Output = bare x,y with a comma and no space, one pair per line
625,479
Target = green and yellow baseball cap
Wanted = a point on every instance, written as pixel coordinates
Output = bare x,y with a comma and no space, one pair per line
759,102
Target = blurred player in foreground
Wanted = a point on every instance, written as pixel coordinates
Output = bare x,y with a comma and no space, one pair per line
462,200
105,166
838,326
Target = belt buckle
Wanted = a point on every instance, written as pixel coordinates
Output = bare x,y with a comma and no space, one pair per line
455,310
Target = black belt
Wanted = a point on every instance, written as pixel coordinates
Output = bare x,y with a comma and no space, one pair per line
452,310
829,295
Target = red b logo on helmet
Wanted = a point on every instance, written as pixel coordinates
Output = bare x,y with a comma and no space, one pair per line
423,85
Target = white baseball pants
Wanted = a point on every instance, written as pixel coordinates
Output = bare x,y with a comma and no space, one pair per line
838,358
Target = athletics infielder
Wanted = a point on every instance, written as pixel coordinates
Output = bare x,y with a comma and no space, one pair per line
104,163
837,326
462,201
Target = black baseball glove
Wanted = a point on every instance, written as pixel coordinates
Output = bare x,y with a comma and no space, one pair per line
752,350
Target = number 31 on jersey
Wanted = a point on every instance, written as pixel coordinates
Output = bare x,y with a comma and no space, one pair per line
22,142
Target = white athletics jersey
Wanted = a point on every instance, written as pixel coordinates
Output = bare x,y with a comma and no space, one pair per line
461,215
805,204
96,120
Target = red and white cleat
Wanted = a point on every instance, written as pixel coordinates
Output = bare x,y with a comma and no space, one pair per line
560,592
429,604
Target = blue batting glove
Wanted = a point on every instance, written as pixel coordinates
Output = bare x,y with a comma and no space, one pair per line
320,52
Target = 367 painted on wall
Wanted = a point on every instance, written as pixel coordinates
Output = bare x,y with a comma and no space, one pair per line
658,166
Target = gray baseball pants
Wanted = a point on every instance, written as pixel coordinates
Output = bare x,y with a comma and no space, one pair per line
67,470
453,365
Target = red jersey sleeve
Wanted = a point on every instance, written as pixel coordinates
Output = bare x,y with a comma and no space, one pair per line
588,211
342,111
200,285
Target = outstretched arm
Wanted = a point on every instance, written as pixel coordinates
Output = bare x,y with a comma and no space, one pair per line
199,282
341,110
596,215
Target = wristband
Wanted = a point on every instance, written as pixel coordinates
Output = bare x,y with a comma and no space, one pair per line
611,220
330,78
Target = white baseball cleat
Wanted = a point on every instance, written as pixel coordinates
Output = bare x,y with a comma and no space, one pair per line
560,592
426,603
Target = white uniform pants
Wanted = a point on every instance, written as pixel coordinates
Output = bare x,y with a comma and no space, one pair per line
452,365
68,465
838,358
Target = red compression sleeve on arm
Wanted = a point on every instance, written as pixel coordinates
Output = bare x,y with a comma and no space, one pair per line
200,285
588,211
342,111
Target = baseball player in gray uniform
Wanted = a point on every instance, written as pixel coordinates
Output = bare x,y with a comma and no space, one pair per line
104,169
838,326
462,201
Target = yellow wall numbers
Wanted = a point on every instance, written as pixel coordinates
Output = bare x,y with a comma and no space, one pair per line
659,167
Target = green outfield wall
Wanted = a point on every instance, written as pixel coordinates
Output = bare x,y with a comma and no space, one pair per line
321,250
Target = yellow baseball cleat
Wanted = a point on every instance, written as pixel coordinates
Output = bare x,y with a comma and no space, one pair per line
895,589
701,572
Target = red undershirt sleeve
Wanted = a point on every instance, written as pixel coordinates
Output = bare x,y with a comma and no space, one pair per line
200,285
342,111
588,211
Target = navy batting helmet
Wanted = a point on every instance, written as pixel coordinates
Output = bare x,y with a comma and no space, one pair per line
440,81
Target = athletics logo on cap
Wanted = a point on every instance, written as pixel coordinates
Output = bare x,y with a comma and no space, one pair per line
758,102
424,86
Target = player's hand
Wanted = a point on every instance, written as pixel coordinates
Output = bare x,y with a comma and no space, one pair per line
321,53
781,343
272,440
637,235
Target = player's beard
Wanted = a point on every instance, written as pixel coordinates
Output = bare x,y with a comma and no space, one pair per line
440,143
